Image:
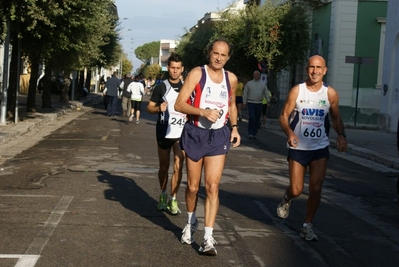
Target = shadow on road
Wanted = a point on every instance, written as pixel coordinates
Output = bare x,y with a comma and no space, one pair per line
134,198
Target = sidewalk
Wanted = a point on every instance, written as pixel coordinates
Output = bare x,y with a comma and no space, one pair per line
364,142
367,143
27,121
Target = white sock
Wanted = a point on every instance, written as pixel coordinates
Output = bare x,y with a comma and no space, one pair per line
208,232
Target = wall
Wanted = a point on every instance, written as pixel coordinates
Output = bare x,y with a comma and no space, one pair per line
389,103
368,45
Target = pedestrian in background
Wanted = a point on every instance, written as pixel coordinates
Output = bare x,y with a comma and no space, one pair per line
102,83
265,104
126,96
170,124
136,89
208,98
239,91
304,119
111,91
254,91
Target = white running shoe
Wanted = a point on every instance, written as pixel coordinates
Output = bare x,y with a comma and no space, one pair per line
283,208
308,234
207,247
188,233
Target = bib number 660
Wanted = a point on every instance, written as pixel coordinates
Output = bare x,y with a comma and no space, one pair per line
312,133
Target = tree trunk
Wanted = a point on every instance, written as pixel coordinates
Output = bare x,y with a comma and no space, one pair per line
13,80
272,82
272,85
34,75
66,84
80,84
88,80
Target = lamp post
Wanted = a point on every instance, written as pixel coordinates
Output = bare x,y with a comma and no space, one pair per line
5,76
121,57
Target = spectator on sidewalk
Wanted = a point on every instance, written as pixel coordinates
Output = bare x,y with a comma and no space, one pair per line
305,121
208,98
102,83
239,91
111,91
168,131
65,86
254,91
265,104
126,96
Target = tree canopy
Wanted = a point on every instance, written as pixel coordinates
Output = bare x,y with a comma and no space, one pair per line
146,51
278,35
62,34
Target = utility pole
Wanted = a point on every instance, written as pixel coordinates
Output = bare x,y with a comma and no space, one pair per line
5,76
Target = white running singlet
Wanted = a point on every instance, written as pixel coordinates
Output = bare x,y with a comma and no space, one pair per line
310,120
211,95
176,120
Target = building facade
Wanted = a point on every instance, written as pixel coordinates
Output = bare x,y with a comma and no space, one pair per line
166,48
389,94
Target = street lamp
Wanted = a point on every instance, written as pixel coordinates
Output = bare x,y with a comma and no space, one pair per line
121,58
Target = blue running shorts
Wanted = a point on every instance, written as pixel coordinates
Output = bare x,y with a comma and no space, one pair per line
304,157
198,142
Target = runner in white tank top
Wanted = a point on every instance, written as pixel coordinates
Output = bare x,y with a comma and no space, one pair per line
305,121
310,120
214,96
173,120
208,105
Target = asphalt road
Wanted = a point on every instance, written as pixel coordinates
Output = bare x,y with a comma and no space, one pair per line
82,191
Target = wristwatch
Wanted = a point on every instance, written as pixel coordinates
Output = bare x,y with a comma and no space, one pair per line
235,125
343,134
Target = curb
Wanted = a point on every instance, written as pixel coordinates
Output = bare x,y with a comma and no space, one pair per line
26,123
388,161
364,153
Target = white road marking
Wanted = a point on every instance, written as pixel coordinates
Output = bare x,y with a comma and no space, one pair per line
32,254
24,260
41,239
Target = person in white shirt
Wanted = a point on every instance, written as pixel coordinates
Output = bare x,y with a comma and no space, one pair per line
305,121
136,89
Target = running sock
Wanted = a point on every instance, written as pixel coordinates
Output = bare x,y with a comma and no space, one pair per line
208,232
191,217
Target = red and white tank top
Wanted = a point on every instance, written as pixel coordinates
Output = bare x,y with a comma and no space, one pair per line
210,95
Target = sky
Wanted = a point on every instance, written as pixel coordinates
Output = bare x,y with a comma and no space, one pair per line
146,21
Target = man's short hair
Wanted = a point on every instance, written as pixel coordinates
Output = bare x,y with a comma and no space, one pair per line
175,58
